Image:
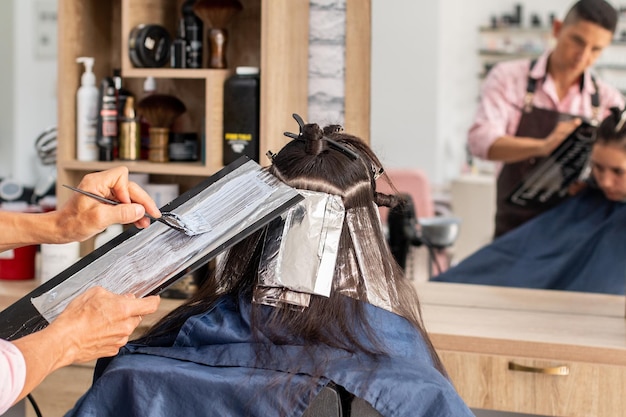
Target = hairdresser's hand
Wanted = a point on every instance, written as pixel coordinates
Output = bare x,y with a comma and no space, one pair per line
94,325
82,217
558,135
97,323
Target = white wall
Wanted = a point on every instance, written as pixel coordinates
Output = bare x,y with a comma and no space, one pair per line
405,76
28,85
6,87
425,77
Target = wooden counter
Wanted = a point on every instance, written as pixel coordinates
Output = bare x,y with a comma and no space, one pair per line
481,332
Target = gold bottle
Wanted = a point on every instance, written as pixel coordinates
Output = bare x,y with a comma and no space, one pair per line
130,135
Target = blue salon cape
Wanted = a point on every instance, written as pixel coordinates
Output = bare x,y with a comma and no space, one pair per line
212,370
579,245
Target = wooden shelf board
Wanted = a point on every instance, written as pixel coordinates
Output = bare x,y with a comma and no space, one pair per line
173,168
175,73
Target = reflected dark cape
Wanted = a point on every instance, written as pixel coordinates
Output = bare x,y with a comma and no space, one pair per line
579,245
213,370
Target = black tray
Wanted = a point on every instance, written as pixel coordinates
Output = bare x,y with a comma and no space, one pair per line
547,184
22,318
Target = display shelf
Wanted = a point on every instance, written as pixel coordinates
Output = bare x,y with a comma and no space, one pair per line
269,34
509,43
507,54
173,73
173,168
516,29
609,66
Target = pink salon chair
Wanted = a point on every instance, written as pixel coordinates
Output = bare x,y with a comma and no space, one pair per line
416,223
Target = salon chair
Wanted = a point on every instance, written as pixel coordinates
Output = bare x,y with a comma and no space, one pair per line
405,230
334,401
414,184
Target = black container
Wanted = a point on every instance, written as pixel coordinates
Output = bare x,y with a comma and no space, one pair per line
178,55
193,35
241,115
149,46
106,137
183,146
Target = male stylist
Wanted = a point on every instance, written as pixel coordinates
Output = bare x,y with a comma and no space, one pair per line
96,323
528,108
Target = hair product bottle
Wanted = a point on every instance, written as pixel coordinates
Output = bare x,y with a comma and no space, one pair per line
193,35
178,56
149,88
87,113
241,115
130,138
107,120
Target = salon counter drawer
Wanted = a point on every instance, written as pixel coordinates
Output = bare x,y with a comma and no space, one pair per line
488,382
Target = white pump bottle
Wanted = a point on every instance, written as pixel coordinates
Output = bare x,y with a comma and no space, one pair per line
87,113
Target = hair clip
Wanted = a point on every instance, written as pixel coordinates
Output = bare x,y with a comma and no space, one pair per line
271,155
377,173
338,146
300,124
343,149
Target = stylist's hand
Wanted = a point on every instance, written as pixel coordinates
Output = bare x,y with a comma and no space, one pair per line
558,135
96,324
83,217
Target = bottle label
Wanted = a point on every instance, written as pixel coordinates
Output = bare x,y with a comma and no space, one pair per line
109,122
238,136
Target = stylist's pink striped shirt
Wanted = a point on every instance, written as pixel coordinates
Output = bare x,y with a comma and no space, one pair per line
12,374
502,98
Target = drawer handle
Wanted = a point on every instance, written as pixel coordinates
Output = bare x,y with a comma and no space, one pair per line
555,370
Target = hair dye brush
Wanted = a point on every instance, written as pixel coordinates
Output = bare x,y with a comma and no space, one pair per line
160,110
216,15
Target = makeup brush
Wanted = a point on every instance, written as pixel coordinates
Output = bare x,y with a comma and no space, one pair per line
160,110
216,15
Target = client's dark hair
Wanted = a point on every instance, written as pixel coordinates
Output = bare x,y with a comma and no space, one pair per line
612,130
324,161
599,12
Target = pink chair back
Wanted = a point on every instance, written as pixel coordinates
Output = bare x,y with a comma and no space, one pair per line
413,182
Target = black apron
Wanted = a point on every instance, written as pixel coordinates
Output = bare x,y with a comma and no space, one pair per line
535,123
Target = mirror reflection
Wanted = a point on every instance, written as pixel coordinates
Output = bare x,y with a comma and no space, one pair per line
546,113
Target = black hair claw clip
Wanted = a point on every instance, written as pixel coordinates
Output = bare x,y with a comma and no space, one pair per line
338,146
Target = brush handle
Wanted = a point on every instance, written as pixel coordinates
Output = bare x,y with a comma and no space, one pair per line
159,142
218,38
103,199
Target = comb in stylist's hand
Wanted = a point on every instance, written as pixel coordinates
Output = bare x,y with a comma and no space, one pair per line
191,227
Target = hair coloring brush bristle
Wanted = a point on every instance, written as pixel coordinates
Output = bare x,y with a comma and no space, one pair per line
161,109
217,13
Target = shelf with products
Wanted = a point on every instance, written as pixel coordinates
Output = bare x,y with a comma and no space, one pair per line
505,43
611,65
269,34
514,40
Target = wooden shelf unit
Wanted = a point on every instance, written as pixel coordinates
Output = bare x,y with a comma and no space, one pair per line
269,34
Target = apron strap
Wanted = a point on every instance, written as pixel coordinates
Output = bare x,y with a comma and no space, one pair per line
595,102
531,85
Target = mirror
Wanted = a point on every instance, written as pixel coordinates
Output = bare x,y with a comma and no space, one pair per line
424,98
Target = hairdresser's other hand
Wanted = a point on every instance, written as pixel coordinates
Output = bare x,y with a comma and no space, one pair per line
576,187
82,217
97,324
562,130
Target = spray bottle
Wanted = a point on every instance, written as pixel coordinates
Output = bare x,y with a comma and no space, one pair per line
87,113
